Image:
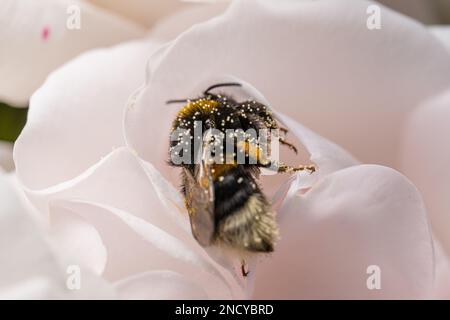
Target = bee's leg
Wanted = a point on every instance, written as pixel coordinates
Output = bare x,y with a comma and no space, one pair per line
284,130
253,152
288,144
283,168
244,272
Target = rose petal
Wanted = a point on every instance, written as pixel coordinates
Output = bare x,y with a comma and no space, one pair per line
159,285
120,181
153,249
78,240
76,117
174,24
442,33
21,276
30,268
147,198
328,156
6,156
145,12
39,41
425,159
352,219
442,277
302,57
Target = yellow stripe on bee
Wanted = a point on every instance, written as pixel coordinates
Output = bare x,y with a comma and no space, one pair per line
200,105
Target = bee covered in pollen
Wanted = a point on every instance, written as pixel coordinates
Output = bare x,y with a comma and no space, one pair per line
226,205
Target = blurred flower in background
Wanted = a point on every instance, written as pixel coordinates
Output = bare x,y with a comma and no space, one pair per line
38,37
41,36
91,189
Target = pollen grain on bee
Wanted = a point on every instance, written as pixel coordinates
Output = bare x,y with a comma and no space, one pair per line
226,146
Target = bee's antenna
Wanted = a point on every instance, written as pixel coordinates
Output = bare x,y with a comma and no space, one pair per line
207,91
177,101
218,85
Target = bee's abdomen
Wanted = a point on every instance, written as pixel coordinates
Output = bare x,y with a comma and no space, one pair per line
244,218
231,190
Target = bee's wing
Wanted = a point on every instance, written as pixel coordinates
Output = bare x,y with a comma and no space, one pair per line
200,201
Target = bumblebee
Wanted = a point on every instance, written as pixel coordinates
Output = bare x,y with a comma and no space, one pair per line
226,205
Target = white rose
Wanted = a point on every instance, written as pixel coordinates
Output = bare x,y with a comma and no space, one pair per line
92,157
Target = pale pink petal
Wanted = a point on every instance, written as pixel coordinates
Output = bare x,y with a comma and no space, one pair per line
328,156
30,268
78,240
39,40
350,220
174,24
146,13
442,33
442,274
6,156
426,158
21,246
152,249
315,61
120,181
75,118
131,200
159,285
